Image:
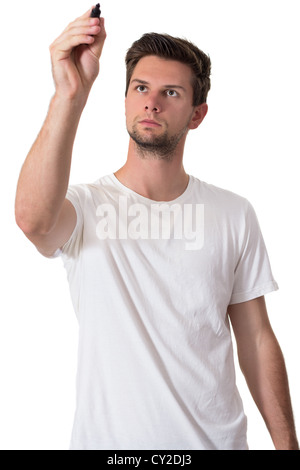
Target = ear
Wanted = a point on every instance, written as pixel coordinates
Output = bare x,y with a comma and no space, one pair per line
198,115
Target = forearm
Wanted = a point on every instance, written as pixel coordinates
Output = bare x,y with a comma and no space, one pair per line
45,174
267,379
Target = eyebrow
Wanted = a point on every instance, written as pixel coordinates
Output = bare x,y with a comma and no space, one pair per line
143,82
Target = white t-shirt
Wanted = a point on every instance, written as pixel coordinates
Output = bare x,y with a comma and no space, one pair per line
150,284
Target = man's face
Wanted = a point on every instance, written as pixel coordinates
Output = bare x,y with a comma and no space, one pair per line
159,108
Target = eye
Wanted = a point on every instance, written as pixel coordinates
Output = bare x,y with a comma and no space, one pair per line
171,93
141,88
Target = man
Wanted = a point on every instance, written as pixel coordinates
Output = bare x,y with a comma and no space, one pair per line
157,261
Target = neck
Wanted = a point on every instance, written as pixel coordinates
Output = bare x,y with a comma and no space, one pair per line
159,179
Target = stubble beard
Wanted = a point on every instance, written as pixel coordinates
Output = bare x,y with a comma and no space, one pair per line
160,147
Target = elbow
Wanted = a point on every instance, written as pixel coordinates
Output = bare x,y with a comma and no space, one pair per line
30,224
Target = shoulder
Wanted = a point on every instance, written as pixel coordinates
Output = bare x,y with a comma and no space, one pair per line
220,198
95,191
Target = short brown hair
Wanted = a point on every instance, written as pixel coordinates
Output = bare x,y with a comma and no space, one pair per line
172,48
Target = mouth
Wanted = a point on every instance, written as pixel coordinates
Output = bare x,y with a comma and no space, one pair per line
149,123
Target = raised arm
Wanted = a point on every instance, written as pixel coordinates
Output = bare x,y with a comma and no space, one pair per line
263,366
41,210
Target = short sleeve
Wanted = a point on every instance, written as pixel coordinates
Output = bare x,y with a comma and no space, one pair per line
252,276
76,196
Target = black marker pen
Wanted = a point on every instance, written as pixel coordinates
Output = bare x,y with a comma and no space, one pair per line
96,12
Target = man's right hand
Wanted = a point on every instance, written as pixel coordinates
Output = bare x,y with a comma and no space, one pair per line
75,57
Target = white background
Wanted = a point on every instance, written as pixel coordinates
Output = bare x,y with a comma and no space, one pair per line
248,143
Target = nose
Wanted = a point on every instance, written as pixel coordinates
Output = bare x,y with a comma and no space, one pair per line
152,104
155,109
